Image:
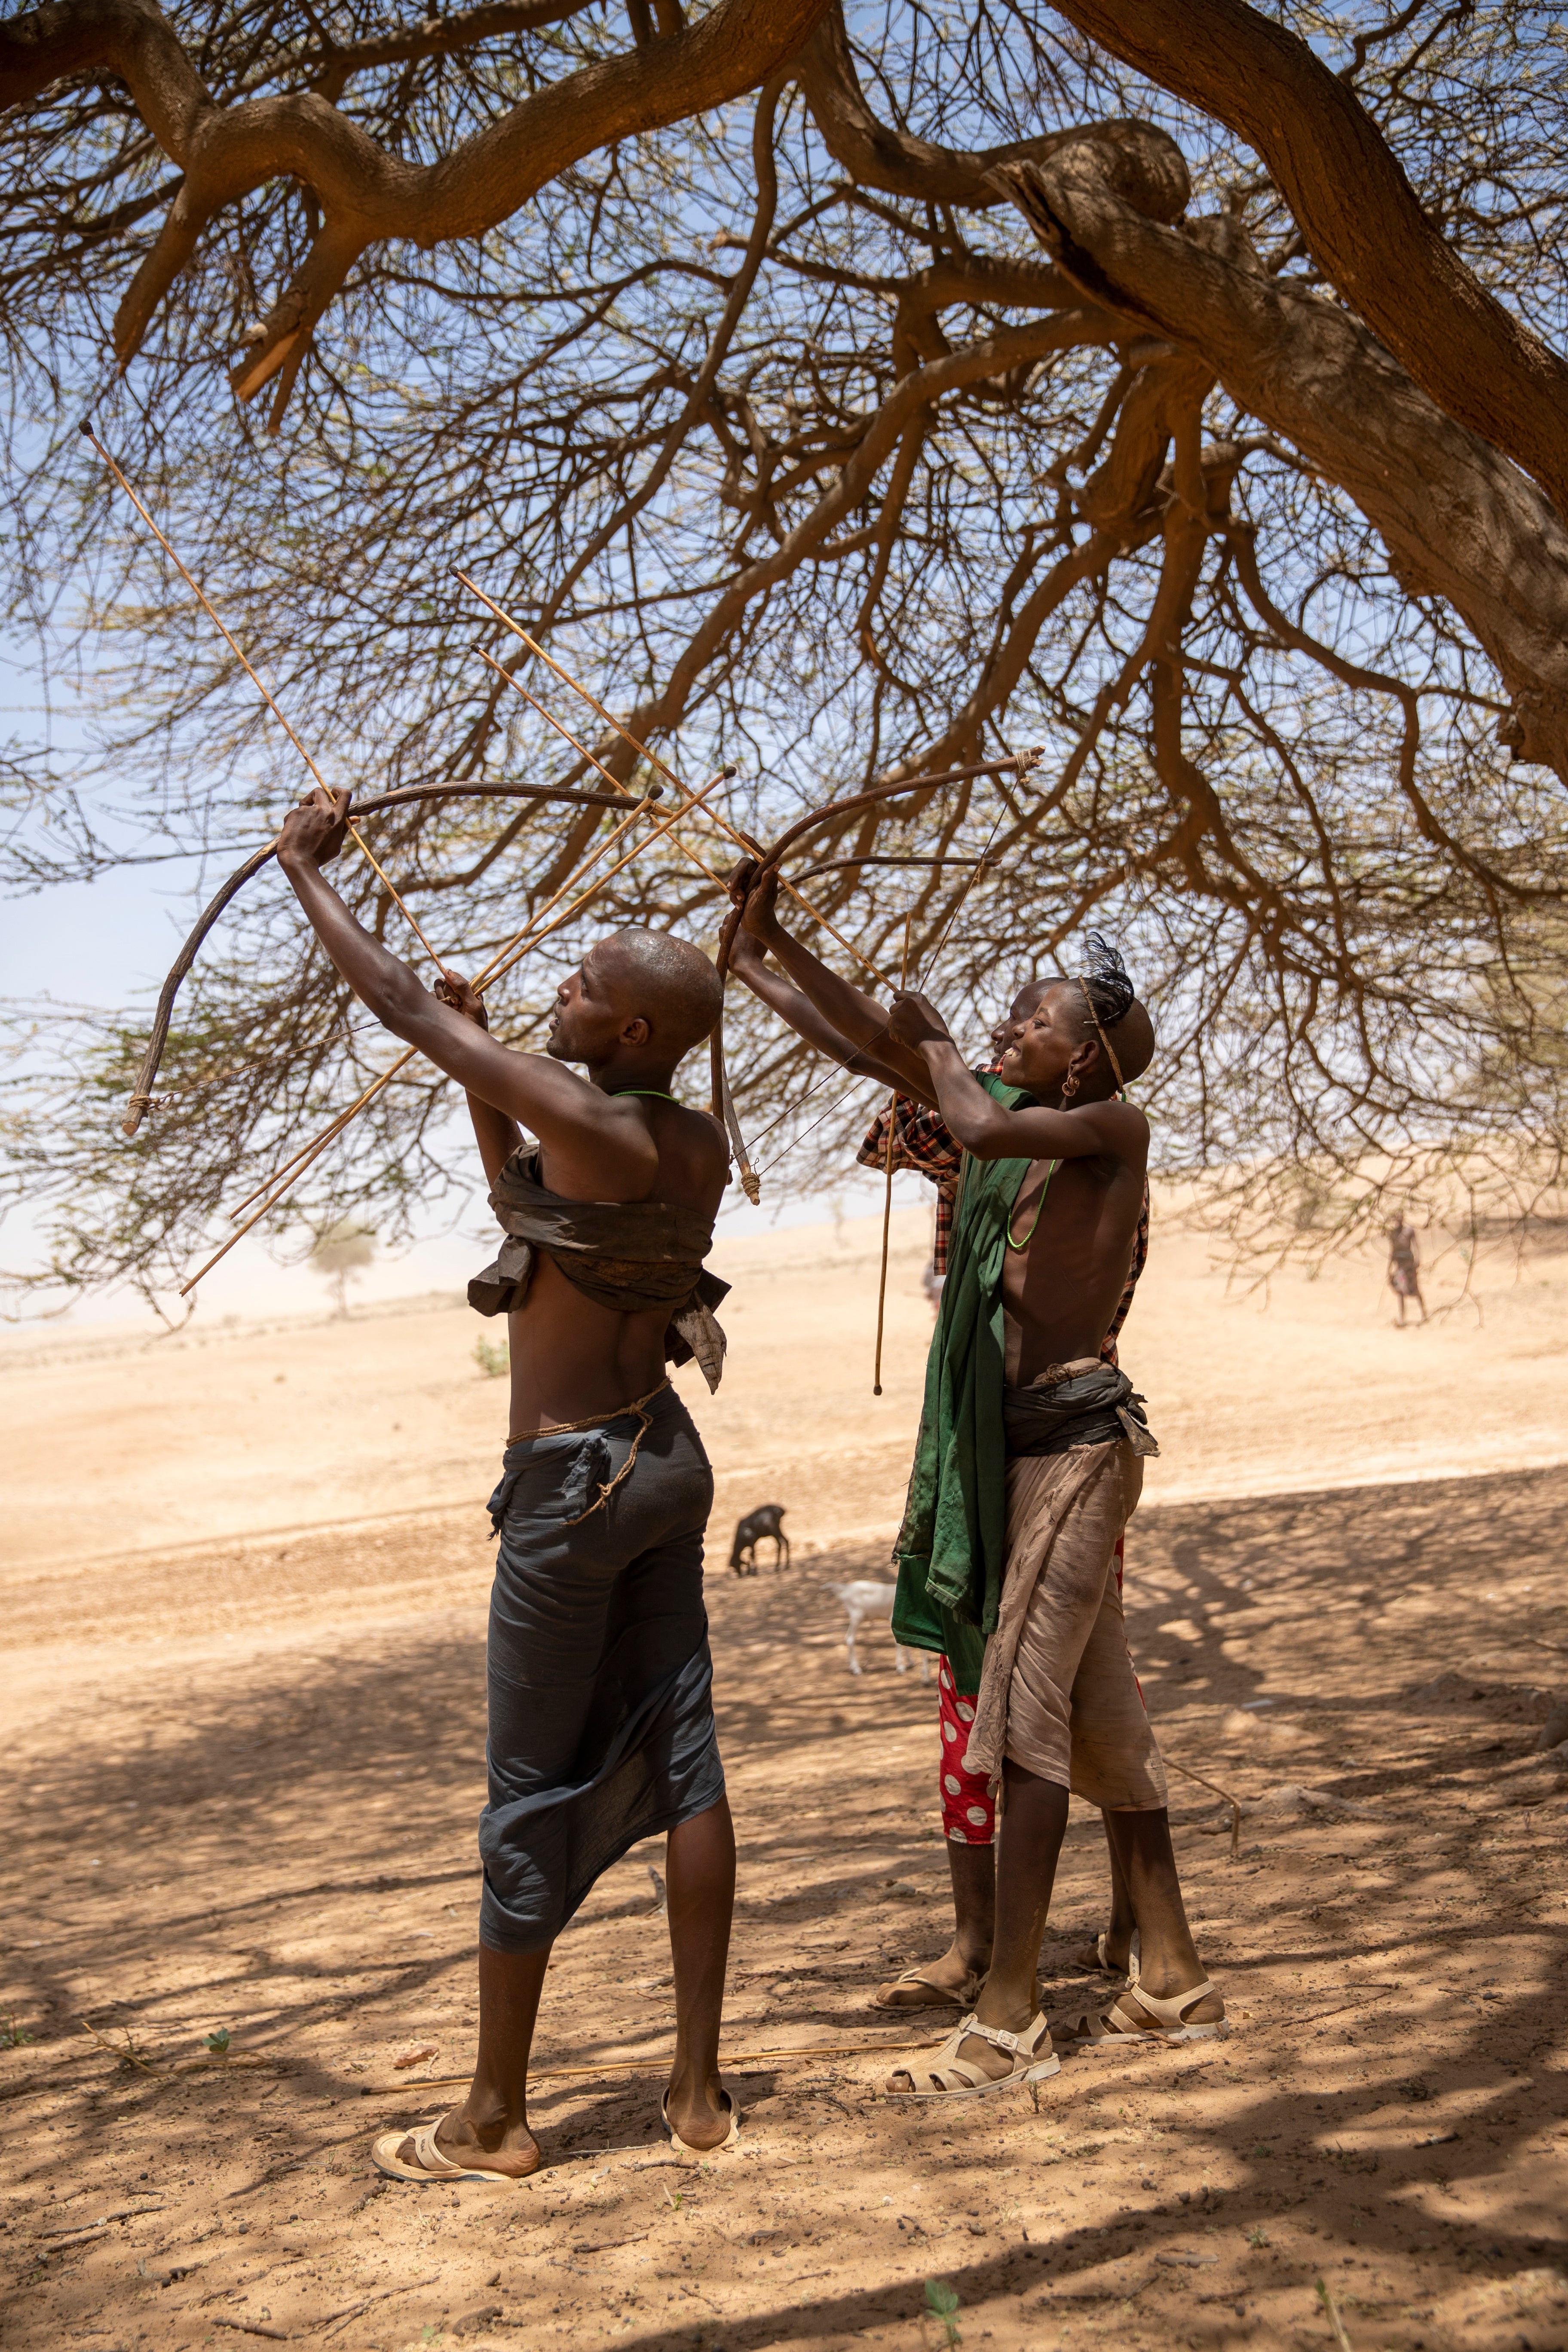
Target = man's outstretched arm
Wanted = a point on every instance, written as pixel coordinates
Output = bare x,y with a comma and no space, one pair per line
838,1018
497,1135
749,963
591,1138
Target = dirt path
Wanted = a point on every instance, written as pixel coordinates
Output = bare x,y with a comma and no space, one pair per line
243,1800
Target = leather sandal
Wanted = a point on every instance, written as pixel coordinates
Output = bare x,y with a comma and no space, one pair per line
1119,2026
946,2075
430,2163
941,1996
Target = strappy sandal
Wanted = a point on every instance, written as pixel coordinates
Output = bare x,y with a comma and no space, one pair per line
430,2163
683,2148
1117,2025
952,2077
1093,1961
941,1996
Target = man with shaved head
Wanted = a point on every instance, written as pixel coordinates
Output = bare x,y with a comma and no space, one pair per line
601,1713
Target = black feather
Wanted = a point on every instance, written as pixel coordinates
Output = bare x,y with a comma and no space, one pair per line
1107,980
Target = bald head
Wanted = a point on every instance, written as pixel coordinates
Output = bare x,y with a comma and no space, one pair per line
665,982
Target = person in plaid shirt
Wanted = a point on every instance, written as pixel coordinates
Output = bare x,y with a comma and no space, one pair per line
923,1142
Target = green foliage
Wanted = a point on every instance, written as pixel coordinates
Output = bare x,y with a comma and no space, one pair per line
218,2042
942,2302
12,2035
491,1360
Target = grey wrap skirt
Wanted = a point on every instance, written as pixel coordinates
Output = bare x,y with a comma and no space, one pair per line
601,1705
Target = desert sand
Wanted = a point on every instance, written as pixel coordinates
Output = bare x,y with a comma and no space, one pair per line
244,1576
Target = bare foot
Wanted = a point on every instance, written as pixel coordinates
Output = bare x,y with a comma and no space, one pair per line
950,1980
511,2148
698,2111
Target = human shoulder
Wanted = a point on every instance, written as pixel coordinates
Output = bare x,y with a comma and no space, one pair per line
1127,1127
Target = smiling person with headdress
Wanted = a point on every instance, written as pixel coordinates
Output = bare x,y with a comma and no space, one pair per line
851,1028
1028,1462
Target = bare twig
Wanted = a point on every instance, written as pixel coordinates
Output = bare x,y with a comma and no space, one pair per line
1326,2298
1234,1803
347,2310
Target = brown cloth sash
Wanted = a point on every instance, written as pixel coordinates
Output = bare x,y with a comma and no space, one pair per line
628,1256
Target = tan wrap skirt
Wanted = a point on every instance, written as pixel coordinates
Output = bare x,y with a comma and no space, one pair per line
1058,1695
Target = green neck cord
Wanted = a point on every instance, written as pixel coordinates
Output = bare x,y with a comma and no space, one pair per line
1035,1220
658,1092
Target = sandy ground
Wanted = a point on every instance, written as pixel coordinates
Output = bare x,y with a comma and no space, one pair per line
244,1583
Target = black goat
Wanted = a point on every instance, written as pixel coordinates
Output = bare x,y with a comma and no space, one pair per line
763,1521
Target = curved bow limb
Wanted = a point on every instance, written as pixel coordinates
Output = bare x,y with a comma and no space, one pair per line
1019,764
503,960
406,795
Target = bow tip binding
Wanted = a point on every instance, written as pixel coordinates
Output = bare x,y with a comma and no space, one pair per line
135,1112
751,1187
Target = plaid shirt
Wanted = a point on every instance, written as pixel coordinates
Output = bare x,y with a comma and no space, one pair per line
923,1140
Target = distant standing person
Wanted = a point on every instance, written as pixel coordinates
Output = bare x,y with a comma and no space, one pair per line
601,1710
1405,1267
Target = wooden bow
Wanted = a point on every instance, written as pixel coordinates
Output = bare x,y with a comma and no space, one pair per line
770,861
519,945
163,1015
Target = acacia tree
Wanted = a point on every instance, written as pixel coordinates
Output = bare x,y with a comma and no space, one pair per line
1170,387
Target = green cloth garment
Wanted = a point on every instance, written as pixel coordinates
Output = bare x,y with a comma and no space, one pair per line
952,1548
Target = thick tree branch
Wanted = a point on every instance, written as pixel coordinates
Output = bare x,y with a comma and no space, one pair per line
1362,219
1458,520
367,194
1145,165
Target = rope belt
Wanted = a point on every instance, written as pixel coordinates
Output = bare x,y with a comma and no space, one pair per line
636,1410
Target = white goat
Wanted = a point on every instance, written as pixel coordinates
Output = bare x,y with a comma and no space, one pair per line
864,1598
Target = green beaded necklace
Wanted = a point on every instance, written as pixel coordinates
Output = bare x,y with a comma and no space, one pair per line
658,1092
